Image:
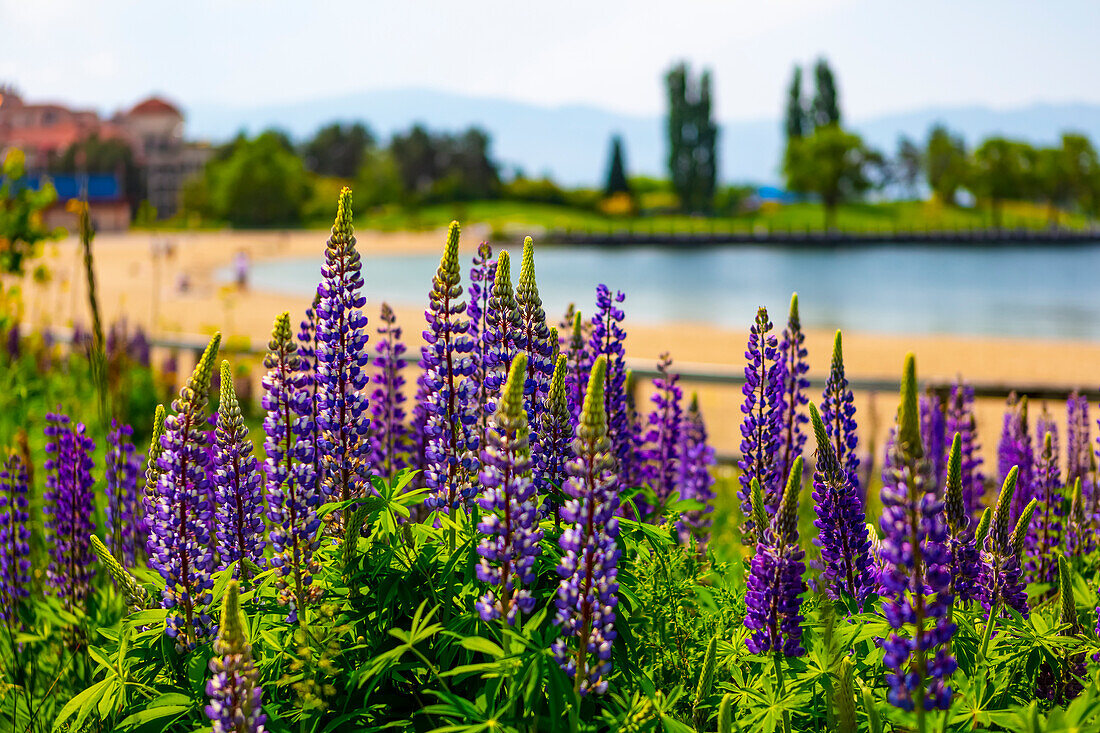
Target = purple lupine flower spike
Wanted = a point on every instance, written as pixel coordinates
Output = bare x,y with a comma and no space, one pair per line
306,381
791,435
234,690
1044,424
535,339
840,519
759,424
292,492
608,338
662,440
125,523
588,592
341,364
1078,439
696,482
152,474
239,511
838,412
389,436
1015,449
482,276
933,435
554,435
1044,537
580,364
69,499
1001,582
451,414
15,537
917,576
962,549
775,584
960,419
503,334
511,518
179,543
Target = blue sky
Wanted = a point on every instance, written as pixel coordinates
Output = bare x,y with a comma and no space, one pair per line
890,56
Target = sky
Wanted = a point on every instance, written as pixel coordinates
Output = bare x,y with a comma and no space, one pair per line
889,56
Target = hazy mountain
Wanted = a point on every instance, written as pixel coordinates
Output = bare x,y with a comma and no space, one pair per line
572,142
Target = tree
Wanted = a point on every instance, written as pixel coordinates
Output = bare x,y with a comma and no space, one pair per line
616,170
826,105
797,122
260,183
907,166
443,167
832,163
21,207
946,165
692,139
1052,181
1082,170
93,155
1004,169
338,150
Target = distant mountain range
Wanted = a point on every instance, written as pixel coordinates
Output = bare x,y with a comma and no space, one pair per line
571,142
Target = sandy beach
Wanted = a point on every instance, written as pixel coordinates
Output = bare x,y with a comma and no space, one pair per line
139,276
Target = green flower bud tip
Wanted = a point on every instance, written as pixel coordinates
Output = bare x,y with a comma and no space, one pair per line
759,515
577,327
528,289
342,229
204,370
706,679
793,318
593,413
1019,535
152,470
448,263
1076,506
909,411
556,401
229,409
1004,501
845,699
786,517
504,273
953,499
232,628
511,403
827,460
135,594
838,349
983,526
280,330
1065,587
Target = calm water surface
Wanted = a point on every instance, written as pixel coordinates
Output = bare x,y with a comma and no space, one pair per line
1036,291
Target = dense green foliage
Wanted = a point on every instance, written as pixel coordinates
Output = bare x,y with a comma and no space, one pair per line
692,138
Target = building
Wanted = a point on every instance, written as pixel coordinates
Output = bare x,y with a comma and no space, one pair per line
153,128
107,204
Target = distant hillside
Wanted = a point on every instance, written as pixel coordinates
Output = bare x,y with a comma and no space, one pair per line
571,142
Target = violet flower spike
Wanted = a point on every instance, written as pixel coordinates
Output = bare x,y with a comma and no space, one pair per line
759,424
293,496
15,537
588,592
125,523
503,333
843,539
962,548
775,585
535,339
554,435
510,521
179,543
483,274
838,413
1044,536
1015,449
608,337
341,364
933,430
695,480
307,382
451,414
1001,580
234,689
961,420
69,509
917,578
579,365
239,511
389,435
791,436
662,440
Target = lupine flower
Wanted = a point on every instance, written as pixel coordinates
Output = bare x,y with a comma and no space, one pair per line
389,436
179,543
15,537
696,482
307,381
136,598
962,549
580,364
960,419
1063,684
234,690
535,339
774,586
1015,450
588,593
69,509
840,519
239,513
152,473
917,578
418,437
1044,424
292,492
508,497
451,413
341,364
838,412
482,276
933,435
662,440
608,338
1079,456
1001,581
554,435
790,436
760,422
503,333
1079,540
1045,535
125,524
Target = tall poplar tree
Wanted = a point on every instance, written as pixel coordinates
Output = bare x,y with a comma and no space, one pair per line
616,169
797,124
692,138
826,105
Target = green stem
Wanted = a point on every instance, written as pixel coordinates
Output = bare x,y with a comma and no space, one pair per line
993,611
782,693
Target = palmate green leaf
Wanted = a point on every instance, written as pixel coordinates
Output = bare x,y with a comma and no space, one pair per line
82,703
168,713
483,645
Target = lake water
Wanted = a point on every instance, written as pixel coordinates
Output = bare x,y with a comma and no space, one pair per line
1033,291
